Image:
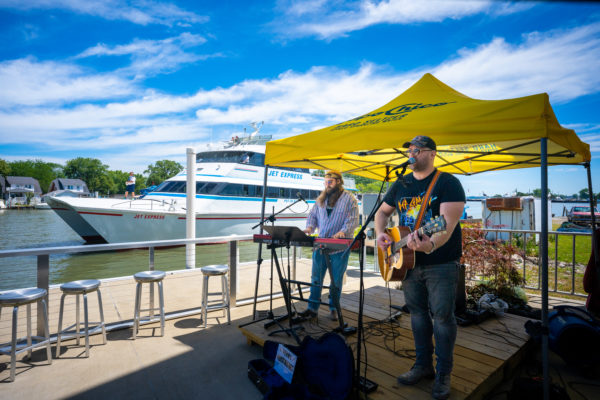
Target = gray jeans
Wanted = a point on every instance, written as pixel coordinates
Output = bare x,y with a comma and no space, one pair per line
430,291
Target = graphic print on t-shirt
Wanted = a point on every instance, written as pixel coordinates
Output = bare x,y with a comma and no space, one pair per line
409,208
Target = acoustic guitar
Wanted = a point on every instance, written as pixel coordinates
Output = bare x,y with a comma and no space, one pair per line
395,262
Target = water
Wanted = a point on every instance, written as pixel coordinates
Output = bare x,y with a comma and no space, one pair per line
44,228
21,229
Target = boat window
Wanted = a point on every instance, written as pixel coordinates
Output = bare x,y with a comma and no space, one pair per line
314,194
231,189
172,187
304,170
272,192
257,159
206,187
236,157
248,190
305,193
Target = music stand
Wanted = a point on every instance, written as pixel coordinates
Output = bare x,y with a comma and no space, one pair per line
288,234
284,235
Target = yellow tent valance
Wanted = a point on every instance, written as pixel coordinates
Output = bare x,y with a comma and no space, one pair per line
472,135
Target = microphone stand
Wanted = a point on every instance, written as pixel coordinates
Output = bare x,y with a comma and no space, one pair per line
271,218
361,382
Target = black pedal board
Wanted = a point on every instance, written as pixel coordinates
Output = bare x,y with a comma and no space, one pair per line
366,385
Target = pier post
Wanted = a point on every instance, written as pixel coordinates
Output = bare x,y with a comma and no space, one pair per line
233,272
43,282
151,258
190,220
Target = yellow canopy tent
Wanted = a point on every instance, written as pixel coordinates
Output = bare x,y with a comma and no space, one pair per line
472,135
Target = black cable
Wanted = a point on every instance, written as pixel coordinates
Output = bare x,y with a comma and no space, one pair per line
499,335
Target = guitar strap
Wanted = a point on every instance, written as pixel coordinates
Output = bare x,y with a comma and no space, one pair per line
425,201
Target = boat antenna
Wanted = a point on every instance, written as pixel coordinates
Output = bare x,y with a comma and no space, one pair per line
256,127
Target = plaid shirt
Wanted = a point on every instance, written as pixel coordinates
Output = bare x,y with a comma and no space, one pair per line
344,217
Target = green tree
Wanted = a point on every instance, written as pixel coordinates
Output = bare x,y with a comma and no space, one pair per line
44,172
113,182
89,170
4,168
584,193
159,172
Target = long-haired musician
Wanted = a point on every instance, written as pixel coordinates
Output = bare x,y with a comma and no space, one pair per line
334,215
429,288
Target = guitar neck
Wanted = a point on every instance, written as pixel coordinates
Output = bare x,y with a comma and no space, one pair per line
402,242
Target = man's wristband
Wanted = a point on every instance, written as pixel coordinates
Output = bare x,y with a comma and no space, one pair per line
432,247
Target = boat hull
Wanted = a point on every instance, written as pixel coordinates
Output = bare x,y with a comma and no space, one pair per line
94,219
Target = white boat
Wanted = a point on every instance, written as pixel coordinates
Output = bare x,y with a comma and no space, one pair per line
229,186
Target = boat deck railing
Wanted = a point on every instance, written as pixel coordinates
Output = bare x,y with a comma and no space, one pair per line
43,258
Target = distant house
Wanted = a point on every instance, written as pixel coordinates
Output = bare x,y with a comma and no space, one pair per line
74,185
16,189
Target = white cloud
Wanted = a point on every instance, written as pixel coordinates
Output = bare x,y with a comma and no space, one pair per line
149,57
30,82
154,125
562,63
329,20
142,12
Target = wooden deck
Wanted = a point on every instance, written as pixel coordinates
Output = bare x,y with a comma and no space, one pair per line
483,356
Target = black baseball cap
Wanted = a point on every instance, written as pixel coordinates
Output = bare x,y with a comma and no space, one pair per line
421,141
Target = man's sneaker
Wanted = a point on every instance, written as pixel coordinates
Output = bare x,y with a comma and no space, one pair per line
441,387
416,373
308,314
333,315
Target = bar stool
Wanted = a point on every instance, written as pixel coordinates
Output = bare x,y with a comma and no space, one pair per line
215,270
17,298
82,287
149,277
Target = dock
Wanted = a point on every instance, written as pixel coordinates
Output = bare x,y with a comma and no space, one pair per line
195,362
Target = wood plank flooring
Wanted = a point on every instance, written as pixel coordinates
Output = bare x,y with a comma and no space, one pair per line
484,354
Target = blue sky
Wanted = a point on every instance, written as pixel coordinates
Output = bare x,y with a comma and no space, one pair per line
134,82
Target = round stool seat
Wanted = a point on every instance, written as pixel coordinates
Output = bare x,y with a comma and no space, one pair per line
215,270
149,276
18,297
80,287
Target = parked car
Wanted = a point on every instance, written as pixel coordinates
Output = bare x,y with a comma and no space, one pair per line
582,215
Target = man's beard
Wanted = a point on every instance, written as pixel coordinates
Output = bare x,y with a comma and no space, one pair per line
331,195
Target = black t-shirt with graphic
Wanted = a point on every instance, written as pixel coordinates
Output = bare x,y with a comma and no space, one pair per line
407,201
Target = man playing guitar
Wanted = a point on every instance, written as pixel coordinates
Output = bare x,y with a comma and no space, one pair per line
431,286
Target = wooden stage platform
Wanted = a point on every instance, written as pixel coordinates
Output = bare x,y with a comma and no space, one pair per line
483,356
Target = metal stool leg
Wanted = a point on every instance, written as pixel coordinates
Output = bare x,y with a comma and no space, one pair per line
161,302
227,299
101,316
136,313
223,286
151,300
13,344
77,319
47,331
60,319
29,330
204,299
86,325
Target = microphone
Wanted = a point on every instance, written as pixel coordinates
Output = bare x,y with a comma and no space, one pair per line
404,164
299,195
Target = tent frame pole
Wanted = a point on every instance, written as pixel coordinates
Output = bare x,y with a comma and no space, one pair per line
544,255
259,260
